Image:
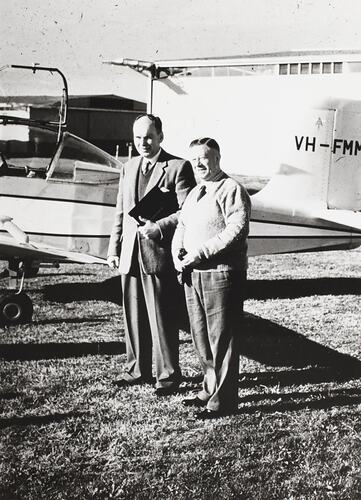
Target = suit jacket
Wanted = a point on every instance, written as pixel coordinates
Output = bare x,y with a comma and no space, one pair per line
171,173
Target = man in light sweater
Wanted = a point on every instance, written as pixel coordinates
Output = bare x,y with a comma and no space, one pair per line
209,248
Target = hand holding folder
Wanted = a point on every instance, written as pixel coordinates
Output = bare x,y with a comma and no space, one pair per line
155,205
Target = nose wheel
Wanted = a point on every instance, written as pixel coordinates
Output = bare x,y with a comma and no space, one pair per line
15,309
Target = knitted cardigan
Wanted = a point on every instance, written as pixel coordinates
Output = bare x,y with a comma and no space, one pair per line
216,226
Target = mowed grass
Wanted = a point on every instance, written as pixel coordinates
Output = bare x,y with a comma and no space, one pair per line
67,433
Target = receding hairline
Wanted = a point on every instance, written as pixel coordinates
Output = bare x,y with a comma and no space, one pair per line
155,120
207,142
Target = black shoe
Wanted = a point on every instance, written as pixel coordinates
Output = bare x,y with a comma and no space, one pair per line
212,414
194,401
166,391
127,382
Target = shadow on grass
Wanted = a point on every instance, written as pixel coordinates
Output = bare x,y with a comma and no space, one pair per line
93,319
293,288
274,345
68,273
294,401
55,350
38,420
185,341
311,375
9,395
5,274
109,290
261,340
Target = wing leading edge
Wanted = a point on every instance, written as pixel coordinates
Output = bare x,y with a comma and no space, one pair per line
10,249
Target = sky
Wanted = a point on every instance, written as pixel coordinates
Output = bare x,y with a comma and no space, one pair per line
78,36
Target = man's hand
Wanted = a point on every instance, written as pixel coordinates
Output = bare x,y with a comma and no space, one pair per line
150,230
178,257
178,264
113,261
190,260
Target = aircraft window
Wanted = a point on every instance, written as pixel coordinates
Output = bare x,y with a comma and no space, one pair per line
197,72
354,67
269,69
259,69
244,70
241,70
315,68
82,162
220,71
238,71
25,150
305,68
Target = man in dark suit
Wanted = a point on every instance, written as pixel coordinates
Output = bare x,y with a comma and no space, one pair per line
143,256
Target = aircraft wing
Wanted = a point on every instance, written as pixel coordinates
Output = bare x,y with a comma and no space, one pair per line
10,248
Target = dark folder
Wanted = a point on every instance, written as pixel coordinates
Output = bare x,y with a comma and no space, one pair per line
155,205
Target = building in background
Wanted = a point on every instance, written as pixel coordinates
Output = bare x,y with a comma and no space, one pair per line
104,120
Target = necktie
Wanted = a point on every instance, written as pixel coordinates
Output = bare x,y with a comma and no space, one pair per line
201,192
146,166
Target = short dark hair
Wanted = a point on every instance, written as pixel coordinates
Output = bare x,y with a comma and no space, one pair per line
206,141
154,119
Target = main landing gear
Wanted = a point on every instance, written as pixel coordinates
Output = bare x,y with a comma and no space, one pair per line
17,307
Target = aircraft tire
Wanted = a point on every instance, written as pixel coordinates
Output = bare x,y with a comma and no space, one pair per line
15,309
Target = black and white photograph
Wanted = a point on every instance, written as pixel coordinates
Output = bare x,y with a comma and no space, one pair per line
180,250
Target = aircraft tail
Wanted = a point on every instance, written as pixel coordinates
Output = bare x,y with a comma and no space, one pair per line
321,163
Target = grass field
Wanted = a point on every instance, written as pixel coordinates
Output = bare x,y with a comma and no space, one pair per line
67,433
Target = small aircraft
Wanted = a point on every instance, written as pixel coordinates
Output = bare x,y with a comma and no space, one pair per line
293,117
57,191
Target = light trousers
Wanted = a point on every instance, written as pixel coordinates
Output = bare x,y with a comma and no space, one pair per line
214,303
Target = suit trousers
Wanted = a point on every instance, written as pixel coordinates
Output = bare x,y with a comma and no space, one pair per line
214,304
150,326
